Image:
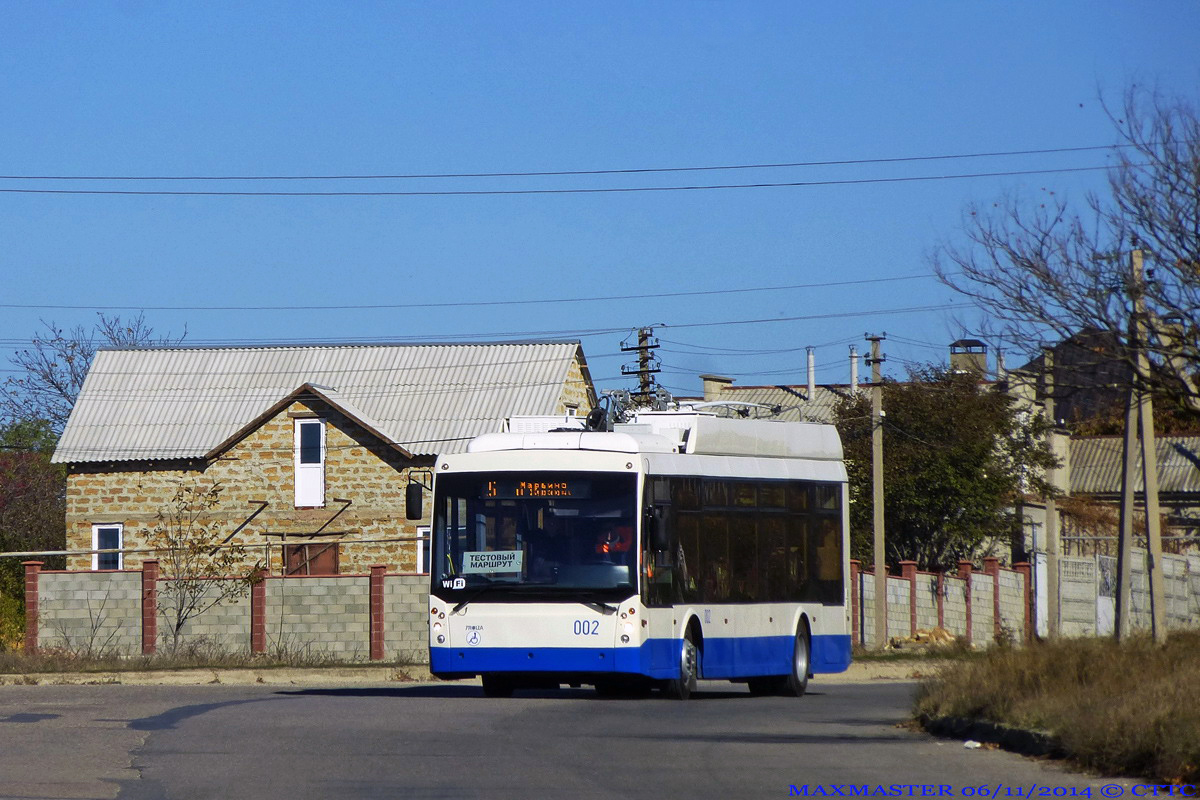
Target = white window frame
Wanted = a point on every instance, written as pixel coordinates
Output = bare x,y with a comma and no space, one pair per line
96,528
309,478
424,548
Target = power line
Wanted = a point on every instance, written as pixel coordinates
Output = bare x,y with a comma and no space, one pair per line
590,332
610,190
472,303
563,173
847,314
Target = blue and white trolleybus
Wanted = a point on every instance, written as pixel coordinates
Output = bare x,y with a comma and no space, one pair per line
679,546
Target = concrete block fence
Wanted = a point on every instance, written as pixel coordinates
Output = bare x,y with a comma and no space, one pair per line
380,615
980,606
374,616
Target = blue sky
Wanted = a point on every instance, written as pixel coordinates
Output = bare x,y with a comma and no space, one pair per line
315,89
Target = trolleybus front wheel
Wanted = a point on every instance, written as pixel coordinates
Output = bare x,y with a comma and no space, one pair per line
681,688
497,686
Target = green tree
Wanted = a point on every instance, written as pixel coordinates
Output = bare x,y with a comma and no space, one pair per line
32,510
957,456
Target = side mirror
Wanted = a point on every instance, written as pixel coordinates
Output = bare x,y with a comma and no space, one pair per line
413,502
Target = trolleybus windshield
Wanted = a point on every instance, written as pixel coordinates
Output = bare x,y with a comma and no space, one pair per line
535,533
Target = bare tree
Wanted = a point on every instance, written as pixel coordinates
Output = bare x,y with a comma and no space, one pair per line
199,570
1044,271
51,370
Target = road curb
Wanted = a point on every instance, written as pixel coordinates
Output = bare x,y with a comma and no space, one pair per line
280,676
1016,740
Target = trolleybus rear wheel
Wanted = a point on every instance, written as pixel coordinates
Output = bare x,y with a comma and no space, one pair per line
797,681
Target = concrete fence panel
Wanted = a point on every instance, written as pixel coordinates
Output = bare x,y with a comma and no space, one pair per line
954,605
97,613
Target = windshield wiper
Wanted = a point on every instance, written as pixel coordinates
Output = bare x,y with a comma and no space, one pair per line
472,596
605,607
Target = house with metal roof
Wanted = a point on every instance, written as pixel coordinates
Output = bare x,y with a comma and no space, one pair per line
1095,473
311,447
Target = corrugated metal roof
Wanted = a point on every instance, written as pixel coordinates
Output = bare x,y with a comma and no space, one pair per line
1096,464
168,403
791,400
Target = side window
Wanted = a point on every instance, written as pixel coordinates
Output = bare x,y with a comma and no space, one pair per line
423,549
107,537
310,462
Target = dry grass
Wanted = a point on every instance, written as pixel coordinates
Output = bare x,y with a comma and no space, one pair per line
199,654
1132,708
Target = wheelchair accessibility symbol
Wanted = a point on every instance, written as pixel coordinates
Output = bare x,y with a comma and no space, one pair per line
473,638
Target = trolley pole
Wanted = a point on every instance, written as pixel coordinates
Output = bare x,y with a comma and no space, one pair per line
876,360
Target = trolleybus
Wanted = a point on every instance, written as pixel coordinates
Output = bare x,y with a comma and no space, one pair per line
676,547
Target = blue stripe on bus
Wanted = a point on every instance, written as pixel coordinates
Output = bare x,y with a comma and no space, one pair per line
657,658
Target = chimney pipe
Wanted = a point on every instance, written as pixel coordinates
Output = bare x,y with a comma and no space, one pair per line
714,385
853,368
812,374
1001,371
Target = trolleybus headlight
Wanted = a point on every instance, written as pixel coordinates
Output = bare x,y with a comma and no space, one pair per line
441,639
628,629
624,638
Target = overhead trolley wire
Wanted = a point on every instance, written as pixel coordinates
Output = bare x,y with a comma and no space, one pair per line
567,173
472,303
594,190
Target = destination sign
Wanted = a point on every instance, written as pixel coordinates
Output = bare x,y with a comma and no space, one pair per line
482,562
516,489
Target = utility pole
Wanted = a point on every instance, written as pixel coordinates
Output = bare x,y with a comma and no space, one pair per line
1128,499
1053,601
1158,611
875,360
647,364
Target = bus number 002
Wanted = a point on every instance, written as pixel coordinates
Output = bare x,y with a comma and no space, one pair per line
587,627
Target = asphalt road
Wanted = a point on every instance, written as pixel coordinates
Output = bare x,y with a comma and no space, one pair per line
447,741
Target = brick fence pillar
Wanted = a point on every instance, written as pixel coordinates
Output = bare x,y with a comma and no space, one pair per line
965,568
376,606
991,565
1027,579
908,571
855,600
149,606
258,614
33,570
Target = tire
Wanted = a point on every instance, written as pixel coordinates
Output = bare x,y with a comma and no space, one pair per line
681,688
497,686
796,683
